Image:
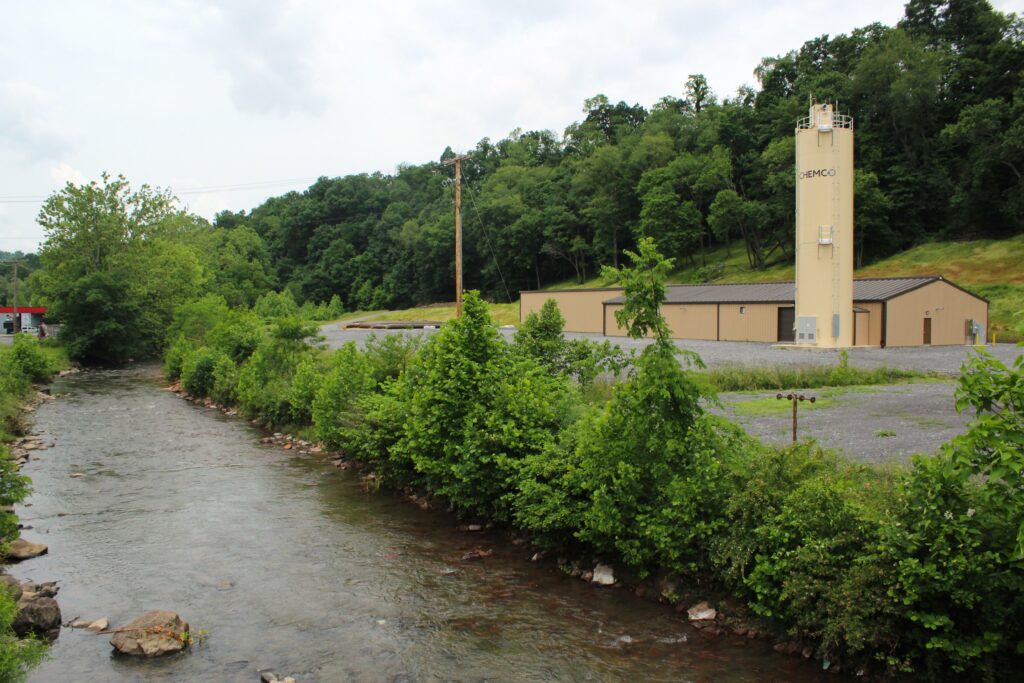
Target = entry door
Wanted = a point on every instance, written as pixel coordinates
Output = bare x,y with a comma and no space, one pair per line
787,317
927,331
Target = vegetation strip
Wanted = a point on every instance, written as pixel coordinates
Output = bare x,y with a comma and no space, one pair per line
23,365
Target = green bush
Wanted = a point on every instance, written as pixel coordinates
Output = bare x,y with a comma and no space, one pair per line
540,338
475,412
17,657
225,381
197,371
28,359
194,319
349,378
389,355
175,355
264,383
306,383
953,576
656,470
276,305
238,335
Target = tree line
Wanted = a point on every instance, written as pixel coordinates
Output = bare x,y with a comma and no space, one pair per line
937,102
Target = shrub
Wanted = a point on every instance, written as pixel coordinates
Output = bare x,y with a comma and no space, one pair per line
305,384
274,305
475,412
953,576
225,381
17,657
238,335
175,355
197,371
348,379
374,425
389,355
814,570
264,383
540,337
28,359
655,469
194,319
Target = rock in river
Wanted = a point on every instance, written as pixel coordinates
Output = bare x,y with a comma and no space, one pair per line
155,633
37,615
702,611
20,549
603,575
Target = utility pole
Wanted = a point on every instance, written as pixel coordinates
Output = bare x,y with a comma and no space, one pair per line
457,160
16,328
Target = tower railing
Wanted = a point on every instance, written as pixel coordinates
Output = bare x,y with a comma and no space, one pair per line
838,121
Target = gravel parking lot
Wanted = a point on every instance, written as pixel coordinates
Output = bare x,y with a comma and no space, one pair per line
871,424
944,359
877,424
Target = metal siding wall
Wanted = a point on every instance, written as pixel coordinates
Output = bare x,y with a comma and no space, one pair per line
907,314
691,321
760,322
581,309
612,328
874,318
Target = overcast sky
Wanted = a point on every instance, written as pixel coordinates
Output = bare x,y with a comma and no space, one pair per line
232,101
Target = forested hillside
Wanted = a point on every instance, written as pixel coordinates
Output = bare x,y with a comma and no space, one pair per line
937,103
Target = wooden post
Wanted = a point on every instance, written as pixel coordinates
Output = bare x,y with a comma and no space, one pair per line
457,160
795,398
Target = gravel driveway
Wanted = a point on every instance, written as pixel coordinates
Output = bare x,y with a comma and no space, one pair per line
944,359
871,424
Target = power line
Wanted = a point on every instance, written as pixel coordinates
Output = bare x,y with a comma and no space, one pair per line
487,237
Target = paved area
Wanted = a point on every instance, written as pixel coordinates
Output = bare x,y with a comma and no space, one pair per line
6,339
877,424
944,359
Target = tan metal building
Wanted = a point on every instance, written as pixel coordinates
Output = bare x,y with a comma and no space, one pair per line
906,311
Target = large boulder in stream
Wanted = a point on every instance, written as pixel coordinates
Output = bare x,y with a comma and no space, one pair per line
37,615
155,633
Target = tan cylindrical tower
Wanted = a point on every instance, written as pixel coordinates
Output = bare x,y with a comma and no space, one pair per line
824,229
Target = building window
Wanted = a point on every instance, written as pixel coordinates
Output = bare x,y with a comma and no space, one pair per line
743,309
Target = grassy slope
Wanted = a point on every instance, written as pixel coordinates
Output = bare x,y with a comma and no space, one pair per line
990,268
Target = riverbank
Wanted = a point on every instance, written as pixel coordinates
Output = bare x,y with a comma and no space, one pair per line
30,613
292,567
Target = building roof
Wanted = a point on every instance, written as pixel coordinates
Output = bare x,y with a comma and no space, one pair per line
868,289
23,309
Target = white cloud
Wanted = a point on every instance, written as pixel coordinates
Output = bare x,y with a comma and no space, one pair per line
29,122
64,173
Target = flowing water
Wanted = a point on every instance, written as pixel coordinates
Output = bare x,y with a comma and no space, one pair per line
290,566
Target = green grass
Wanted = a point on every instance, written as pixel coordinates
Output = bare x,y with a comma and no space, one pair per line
503,314
768,406
785,378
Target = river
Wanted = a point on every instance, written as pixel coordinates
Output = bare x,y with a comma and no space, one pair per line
290,566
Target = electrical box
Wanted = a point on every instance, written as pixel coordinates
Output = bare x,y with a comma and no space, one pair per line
806,329
825,234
